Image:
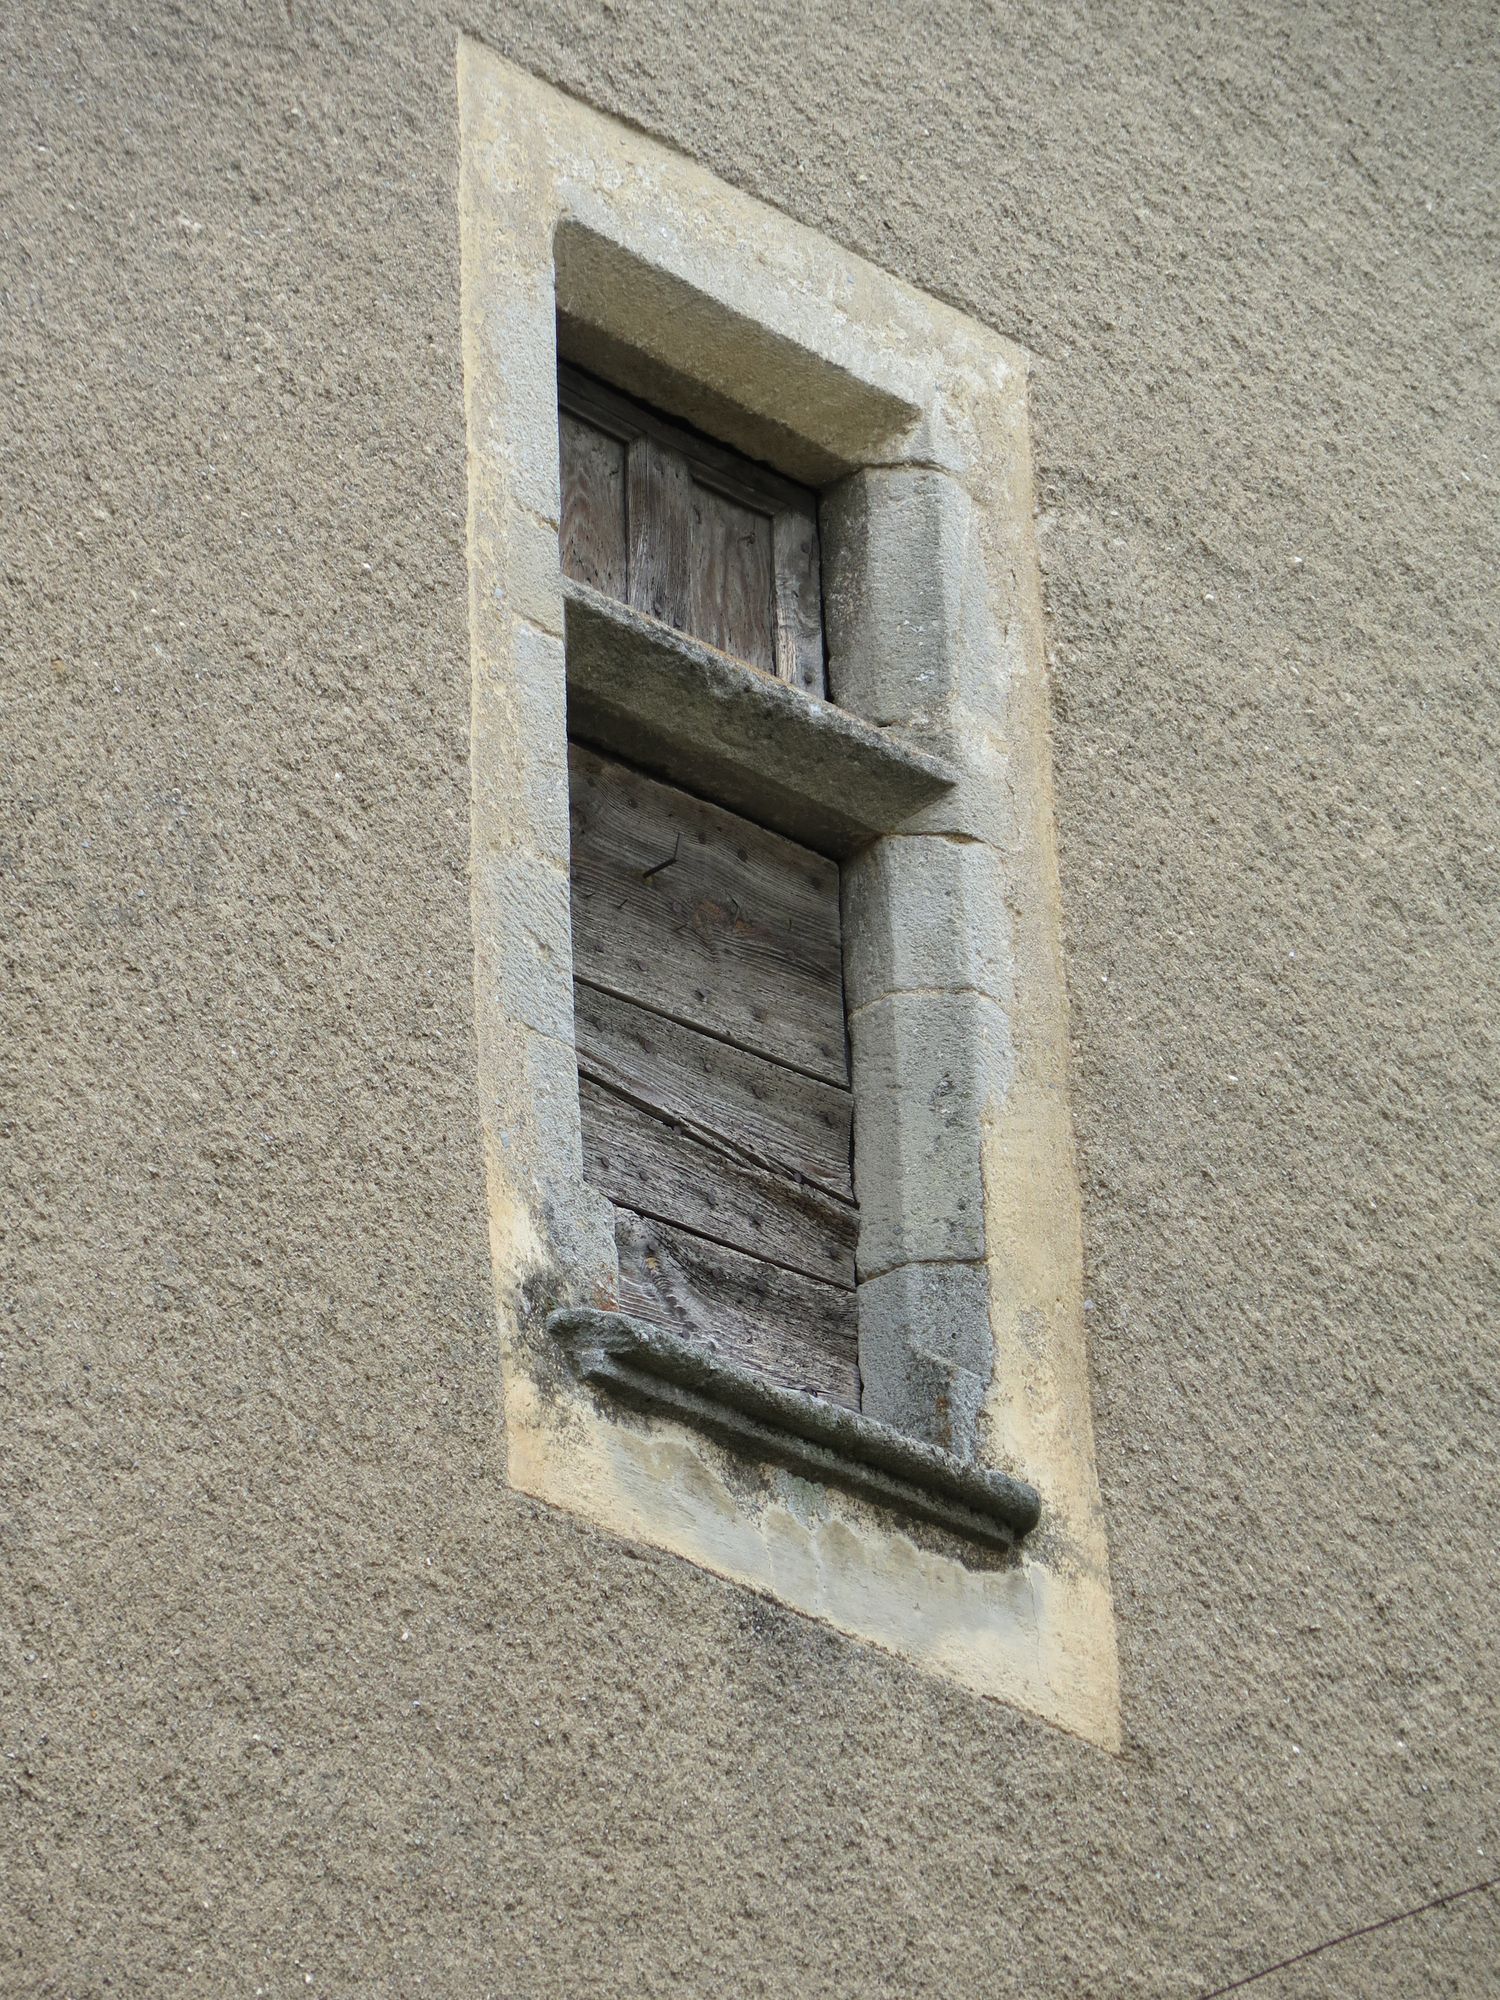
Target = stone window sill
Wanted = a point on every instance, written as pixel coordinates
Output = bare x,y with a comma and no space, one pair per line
655,1370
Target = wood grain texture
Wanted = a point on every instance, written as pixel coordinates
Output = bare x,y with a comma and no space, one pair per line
766,1114
659,510
713,1065
732,599
795,1329
691,910
592,532
647,1163
716,545
798,602
609,409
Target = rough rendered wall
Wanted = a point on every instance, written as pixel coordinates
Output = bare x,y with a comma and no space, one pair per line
296,1696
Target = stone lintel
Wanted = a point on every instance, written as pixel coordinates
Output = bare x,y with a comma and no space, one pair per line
759,746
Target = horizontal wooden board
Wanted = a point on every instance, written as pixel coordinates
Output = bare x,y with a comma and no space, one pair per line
795,1329
648,1164
695,912
769,1115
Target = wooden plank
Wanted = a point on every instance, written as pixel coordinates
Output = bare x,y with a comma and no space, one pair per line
660,1170
592,535
764,1113
742,478
659,509
695,912
796,1330
718,545
732,603
799,603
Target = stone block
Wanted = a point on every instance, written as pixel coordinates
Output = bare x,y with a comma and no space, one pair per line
926,1069
520,741
980,803
922,912
563,1228
925,1351
523,927
530,563
892,576
896,552
685,712
512,345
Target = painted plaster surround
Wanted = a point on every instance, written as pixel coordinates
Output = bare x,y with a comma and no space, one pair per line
912,418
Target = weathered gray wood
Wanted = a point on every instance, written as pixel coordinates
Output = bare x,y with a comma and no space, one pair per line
725,468
699,914
659,1169
762,1112
799,602
795,1329
660,515
717,546
800,766
712,1053
592,534
733,602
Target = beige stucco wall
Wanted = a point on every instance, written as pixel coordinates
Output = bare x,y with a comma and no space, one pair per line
295,1693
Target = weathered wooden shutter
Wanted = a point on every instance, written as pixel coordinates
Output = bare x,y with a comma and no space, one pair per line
709,1001
713,1072
689,532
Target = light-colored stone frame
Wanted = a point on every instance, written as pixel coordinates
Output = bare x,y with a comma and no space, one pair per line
913,419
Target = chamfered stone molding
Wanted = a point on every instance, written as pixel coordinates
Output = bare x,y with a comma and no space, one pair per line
654,1369
925,913
927,1069
925,1351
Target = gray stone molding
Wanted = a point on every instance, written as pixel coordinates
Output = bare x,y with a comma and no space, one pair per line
800,766
656,1370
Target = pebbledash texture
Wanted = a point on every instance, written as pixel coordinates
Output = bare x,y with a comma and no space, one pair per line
389,1604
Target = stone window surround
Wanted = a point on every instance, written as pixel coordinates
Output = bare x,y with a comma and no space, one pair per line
912,418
